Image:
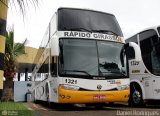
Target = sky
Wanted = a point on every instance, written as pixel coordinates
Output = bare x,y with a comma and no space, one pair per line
132,15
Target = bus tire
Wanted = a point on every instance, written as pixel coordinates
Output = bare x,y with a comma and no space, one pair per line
136,99
111,103
99,105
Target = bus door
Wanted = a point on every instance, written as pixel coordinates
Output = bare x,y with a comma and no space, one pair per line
155,56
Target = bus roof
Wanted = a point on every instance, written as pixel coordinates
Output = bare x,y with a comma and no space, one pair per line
154,28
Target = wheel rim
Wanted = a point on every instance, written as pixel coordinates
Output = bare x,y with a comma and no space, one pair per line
136,97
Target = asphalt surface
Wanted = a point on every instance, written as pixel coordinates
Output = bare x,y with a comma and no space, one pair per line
43,109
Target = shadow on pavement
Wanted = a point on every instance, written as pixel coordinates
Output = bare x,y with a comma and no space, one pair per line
80,107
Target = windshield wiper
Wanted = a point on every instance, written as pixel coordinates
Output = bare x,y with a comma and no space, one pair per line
77,71
106,31
77,29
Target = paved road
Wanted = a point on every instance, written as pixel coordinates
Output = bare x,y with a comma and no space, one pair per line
80,110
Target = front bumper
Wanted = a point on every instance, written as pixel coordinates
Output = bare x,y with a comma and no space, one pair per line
74,96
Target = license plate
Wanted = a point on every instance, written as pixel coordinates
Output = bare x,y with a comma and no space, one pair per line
99,97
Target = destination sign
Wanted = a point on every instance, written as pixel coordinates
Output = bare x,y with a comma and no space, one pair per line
89,35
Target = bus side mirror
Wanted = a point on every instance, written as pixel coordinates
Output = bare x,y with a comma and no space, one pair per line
137,50
132,51
54,45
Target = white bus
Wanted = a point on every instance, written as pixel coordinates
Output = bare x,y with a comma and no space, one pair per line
145,74
81,59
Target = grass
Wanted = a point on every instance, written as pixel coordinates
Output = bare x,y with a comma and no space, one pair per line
15,109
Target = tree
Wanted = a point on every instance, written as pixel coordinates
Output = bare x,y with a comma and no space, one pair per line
12,51
22,5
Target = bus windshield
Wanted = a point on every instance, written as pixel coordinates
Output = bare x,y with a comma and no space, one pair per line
93,21
88,58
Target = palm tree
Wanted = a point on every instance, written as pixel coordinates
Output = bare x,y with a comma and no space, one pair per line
22,5
12,51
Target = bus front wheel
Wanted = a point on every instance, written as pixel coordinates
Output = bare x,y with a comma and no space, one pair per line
136,99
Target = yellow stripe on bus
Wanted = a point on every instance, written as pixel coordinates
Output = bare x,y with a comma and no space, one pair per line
71,96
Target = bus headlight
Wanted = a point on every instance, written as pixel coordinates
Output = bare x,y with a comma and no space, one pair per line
70,87
123,87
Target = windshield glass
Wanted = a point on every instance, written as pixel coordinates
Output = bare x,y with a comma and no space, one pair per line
109,58
87,20
90,58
